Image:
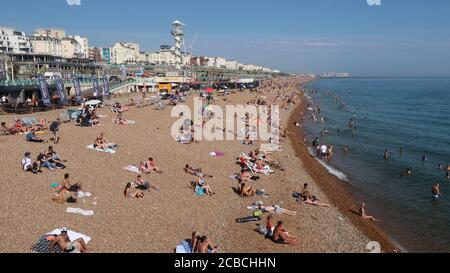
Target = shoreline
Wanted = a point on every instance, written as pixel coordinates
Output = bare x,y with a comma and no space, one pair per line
337,191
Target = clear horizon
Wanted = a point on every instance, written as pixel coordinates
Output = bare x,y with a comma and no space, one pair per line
399,38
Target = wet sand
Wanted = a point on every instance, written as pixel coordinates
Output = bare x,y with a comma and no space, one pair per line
162,219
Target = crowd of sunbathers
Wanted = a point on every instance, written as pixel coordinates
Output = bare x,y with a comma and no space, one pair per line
200,186
22,126
138,188
49,159
88,117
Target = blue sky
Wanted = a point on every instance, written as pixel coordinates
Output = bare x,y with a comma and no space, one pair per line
398,38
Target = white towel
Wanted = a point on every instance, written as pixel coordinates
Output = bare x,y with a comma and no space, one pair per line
72,235
80,211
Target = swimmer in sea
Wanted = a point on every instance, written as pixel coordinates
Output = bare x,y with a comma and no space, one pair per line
401,151
386,155
436,191
424,158
346,149
408,172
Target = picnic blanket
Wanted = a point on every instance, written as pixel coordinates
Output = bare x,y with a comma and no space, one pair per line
132,169
43,244
109,150
183,248
80,211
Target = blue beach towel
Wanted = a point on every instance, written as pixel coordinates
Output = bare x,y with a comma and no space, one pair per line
199,191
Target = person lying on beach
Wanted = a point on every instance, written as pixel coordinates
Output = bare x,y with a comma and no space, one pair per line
141,184
436,191
364,216
31,137
64,196
204,245
281,236
131,192
19,128
152,167
246,191
276,209
64,243
101,142
314,202
196,172
245,175
203,184
76,187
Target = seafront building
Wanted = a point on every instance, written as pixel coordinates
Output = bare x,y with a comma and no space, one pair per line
13,41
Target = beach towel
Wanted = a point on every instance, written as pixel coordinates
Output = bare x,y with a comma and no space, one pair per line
216,154
248,219
131,122
132,169
72,235
109,150
199,191
183,248
80,211
81,194
43,246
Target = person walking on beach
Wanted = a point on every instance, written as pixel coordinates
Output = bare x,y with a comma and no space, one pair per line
436,191
54,128
323,151
364,216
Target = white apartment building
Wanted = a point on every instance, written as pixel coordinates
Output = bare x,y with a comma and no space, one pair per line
123,53
232,65
71,48
46,45
13,41
52,32
84,44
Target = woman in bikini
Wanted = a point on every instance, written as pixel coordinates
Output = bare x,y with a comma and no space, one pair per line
101,142
131,192
246,191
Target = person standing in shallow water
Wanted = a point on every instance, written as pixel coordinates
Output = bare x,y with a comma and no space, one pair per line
386,155
436,191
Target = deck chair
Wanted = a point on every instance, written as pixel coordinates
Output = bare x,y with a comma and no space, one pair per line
3,132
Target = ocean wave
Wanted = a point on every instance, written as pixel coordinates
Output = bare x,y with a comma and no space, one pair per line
342,176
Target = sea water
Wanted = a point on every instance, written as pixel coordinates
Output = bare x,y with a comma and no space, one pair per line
390,113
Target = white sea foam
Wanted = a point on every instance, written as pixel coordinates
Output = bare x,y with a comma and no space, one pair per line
330,169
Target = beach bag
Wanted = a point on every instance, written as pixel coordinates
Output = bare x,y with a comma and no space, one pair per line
71,200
